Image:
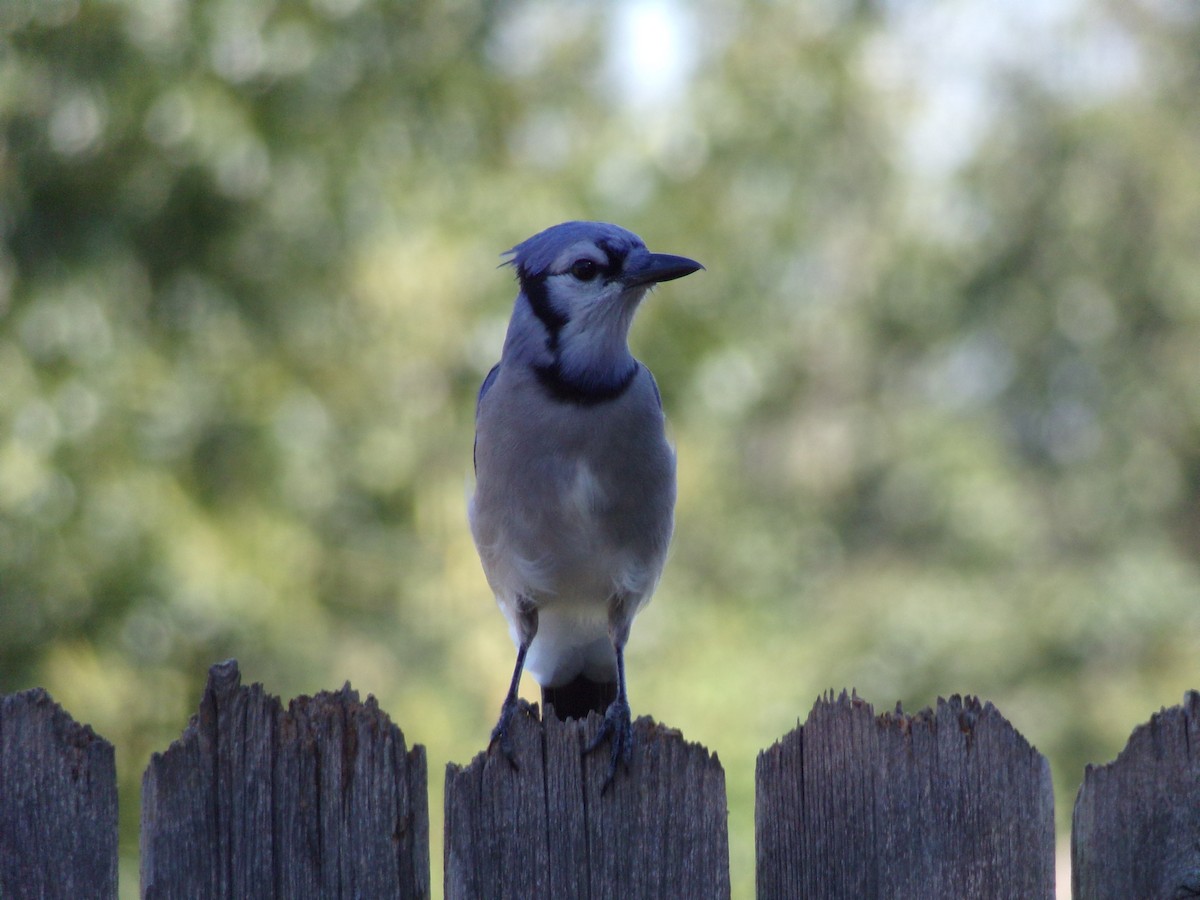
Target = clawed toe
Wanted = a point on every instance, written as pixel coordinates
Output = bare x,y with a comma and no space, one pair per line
618,728
500,734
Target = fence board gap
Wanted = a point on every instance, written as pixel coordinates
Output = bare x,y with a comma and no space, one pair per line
322,799
58,802
545,829
1136,823
952,803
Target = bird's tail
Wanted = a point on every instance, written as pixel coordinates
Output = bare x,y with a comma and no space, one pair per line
579,697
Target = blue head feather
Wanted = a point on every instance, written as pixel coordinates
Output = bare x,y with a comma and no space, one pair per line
533,256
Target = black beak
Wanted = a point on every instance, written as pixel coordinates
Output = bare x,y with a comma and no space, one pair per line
653,268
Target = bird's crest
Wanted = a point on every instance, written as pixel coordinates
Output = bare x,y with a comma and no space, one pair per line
533,256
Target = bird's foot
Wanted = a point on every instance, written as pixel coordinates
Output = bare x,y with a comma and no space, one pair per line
618,727
500,733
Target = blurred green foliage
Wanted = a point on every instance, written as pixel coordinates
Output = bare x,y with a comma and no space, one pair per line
936,399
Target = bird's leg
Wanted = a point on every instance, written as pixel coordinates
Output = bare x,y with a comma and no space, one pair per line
617,725
508,709
528,621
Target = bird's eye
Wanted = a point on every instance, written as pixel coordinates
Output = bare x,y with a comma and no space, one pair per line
584,269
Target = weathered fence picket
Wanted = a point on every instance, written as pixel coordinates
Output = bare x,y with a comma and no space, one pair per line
952,803
323,799
1136,827
545,830
58,803
319,800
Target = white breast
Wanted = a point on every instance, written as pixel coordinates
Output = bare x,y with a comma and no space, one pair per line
584,496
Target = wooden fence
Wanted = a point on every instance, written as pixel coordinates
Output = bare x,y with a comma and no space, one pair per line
325,799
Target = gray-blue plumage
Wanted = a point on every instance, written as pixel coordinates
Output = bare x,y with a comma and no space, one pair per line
575,482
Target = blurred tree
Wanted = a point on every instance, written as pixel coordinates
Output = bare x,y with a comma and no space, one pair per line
935,399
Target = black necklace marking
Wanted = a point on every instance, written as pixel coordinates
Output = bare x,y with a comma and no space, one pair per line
581,393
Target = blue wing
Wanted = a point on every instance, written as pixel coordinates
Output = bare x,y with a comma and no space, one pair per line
653,384
483,389
486,386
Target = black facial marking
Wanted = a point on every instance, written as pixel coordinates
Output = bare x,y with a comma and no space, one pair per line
539,301
582,393
616,254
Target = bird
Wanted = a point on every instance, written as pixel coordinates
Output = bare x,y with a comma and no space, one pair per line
573,507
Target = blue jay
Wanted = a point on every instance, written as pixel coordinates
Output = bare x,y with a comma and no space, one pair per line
575,481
